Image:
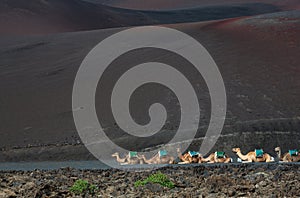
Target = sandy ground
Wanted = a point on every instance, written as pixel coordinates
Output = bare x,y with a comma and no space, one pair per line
246,180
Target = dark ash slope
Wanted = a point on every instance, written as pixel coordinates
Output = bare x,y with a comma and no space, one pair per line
258,58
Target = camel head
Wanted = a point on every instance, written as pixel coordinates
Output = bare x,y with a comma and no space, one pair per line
277,149
236,150
115,154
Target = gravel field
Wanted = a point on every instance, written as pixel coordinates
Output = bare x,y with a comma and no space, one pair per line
236,180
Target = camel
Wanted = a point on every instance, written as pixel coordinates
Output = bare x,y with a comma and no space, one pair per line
187,158
157,159
128,159
251,156
120,160
214,158
287,157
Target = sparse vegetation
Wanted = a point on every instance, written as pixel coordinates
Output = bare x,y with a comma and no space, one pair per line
83,187
158,178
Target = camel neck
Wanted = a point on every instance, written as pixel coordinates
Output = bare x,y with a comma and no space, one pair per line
279,154
243,157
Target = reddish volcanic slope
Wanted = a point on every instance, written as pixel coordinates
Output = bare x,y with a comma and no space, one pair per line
179,4
282,27
53,16
268,47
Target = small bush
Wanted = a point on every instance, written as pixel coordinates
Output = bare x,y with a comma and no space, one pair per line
83,187
158,178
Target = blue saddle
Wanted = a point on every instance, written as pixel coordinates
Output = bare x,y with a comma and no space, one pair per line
259,153
162,153
132,154
194,153
220,154
293,152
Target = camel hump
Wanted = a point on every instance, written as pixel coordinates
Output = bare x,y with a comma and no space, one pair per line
293,152
220,154
259,153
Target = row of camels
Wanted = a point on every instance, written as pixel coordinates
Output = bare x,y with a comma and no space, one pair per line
216,157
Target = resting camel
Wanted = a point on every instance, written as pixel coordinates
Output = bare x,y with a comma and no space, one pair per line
156,159
251,156
127,159
213,158
120,160
287,157
187,158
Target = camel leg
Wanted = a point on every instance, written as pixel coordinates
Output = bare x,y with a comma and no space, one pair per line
186,162
172,160
287,158
205,160
268,158
125,163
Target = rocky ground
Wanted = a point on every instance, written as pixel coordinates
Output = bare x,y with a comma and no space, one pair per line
244,180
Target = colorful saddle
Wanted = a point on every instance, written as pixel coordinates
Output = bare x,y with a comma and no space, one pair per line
259,153
132,154
194,153
293,152
162,153
220,154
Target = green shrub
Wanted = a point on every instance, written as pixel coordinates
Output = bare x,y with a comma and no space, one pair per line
83,187
157,178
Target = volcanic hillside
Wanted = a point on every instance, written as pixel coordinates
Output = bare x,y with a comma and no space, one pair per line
54,16
179,4
258,58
